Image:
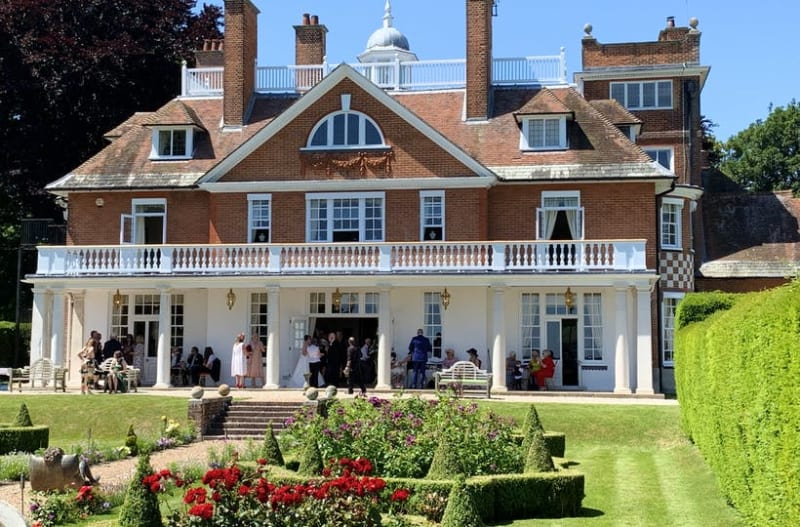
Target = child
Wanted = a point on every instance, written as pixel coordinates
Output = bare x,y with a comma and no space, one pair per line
518,375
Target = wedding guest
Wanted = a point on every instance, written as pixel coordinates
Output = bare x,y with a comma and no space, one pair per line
353,367
255,364
420,348
238,361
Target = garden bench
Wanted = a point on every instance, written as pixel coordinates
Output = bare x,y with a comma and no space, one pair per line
44,371
19,376
463,374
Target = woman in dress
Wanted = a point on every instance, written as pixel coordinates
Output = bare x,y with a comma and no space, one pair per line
299,376
116,373
255,366
238,361
86,356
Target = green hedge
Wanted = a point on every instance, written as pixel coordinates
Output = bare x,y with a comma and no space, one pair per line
556,442
696,307
23,439
7,332
503,497
738,381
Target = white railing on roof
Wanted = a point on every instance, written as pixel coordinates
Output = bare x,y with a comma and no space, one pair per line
577,256
394,75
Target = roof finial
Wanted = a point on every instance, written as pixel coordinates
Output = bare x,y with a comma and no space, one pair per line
387,17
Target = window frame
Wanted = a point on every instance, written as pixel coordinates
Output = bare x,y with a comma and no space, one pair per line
596,330
251,228
524,140
668,203
668,330
657,150
328,121
545,209
530,324
424,218
626,86
330,217
433,315
155,150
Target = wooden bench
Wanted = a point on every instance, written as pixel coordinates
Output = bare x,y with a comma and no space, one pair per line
130,375
463,374
19,376
44,371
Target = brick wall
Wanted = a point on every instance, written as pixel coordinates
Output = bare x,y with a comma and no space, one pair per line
309,49
738,285
240,59
675,46
479,58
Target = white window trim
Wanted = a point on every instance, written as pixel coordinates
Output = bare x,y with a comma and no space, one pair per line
257,197
155,147
430,194
640,84
134,215
562,133
361,132
679,297
360,196
679,223
647,149
557,194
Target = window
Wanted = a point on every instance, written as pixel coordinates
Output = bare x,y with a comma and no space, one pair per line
371,303
259,315
258,217
432,215
172,143
668,307
316,302
560,216
556,304
336,218
345,129
432,324
629,131
541,133
671,210
176,322
643,95
147,223
348,304
531,325
663,156
592,326
119,318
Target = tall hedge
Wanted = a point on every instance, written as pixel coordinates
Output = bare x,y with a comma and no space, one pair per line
738,382
7,334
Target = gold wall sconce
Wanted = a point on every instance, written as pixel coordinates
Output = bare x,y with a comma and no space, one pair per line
117,299
336,297
569,298
445,295
230,299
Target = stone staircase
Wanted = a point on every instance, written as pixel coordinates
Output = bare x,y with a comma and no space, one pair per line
250,419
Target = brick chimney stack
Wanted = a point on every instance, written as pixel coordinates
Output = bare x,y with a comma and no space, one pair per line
479,58
240,60
212,54
309,50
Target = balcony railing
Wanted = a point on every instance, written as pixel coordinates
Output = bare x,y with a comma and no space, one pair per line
351,258
395,75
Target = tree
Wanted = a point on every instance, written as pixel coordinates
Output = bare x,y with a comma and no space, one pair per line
70,71
766,155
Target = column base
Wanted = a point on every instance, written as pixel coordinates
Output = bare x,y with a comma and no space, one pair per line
161,386
500,389
383,387
645,391
622,391
270,386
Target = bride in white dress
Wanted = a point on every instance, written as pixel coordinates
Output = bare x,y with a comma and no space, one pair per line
298,379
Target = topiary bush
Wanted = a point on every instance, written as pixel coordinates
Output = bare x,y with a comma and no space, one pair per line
531,425
446,463
132,442
23,417
270,450
696,307
538,456
310,460
140,508
461,510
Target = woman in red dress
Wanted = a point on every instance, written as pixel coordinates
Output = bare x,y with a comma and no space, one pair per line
546,371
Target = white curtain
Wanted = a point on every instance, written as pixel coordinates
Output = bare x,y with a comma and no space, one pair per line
547,222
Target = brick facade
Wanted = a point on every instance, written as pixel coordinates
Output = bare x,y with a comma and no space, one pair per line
479,58
240,59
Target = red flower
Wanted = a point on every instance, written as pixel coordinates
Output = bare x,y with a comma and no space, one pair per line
195,495
165,473
203,510
400,495
84,494
243,490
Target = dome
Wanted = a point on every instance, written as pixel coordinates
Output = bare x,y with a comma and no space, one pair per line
387,37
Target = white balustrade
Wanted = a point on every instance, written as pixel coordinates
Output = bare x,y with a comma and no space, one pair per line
497,257
392,75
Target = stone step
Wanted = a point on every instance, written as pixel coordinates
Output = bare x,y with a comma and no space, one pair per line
250,419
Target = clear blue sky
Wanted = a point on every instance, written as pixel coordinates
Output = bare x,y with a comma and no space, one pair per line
752,46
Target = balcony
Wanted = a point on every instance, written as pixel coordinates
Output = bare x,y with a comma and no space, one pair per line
343,258
396,75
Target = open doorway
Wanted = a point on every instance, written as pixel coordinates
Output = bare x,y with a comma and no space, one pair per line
360,328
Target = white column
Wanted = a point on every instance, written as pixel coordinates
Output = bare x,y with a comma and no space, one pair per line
57,328
77,337
622,383
38,322
385,339
273,339
499,340
644,341
164,354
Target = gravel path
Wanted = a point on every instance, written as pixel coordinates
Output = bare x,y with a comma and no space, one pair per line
116,474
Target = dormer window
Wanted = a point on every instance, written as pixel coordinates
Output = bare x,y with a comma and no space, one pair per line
172,143
345,129
544,133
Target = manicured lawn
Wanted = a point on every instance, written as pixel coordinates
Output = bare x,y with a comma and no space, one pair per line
640,470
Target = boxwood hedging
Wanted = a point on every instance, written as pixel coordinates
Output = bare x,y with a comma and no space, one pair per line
23,439
738,381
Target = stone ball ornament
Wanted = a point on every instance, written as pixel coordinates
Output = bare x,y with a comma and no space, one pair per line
197,392
224,390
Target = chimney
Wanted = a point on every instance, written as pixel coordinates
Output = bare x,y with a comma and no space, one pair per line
240,60
670,21
479,58
309,50
212,55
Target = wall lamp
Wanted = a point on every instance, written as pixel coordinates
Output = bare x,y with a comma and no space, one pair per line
230,299
445,295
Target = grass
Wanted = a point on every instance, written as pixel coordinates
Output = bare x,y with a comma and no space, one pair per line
640,470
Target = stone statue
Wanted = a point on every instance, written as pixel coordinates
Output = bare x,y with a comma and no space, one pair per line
56,471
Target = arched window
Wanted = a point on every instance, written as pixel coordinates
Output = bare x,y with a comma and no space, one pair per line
345,129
